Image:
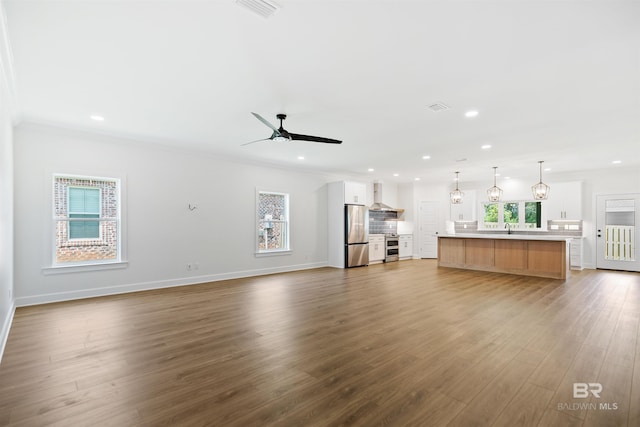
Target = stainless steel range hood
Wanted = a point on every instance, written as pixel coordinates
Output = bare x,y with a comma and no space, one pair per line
377,200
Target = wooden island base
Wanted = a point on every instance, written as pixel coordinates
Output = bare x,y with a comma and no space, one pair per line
540,258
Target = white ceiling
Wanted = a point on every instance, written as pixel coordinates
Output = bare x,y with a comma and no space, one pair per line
552,80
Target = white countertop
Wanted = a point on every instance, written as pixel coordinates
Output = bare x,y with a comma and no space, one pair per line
513,236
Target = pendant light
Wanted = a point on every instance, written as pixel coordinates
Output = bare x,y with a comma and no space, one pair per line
540,190
495,192
456,195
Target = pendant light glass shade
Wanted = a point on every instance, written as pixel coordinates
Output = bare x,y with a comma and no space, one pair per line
456,195
495,192
540,190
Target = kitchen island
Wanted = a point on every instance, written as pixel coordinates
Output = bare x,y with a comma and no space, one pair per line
528,255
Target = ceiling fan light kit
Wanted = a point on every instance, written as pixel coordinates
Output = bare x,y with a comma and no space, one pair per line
494,193
540,190
281,135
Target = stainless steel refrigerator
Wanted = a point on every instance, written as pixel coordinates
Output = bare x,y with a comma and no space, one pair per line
356,219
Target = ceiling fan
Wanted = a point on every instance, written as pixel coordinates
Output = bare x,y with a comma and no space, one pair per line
280,134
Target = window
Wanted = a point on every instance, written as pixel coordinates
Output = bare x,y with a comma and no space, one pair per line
86,220
490,215
533,214
84,204
272,222
512,215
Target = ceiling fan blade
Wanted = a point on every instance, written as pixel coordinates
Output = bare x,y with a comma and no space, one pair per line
257,140
263,120
298,137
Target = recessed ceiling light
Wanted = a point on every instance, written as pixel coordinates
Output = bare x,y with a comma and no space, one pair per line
426,157
486,146
547,169
97,118
416,179
471,113
371,169
616,162
396,174
300,157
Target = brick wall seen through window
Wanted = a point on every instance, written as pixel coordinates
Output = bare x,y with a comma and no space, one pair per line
273,222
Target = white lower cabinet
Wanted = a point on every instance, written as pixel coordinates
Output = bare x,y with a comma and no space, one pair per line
406,246
376,248
575,251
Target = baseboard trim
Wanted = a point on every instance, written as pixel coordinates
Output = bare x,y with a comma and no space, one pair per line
146,286
6,327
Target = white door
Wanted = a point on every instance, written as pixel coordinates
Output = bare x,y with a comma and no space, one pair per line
429,229
618,232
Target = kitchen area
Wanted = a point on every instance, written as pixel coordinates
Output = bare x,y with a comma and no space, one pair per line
596,225
385,231
362,234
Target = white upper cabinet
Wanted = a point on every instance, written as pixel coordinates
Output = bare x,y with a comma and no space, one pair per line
565,201
355,193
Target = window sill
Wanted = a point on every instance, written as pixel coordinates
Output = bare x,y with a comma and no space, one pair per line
273,253
77,268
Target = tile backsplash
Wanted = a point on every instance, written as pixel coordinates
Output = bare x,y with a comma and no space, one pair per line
565,227
383,222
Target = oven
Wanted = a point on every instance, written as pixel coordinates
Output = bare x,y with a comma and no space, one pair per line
391,247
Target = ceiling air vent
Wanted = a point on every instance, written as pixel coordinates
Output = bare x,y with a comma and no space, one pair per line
260,7
438,106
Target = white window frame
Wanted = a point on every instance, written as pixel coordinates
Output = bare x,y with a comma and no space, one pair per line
287,222
49,254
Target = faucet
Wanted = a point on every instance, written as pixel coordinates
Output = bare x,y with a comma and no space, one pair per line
508,227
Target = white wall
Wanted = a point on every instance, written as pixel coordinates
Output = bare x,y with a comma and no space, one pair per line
6,221
6,189
163,235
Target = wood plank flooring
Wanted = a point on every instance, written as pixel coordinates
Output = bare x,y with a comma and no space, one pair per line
398,344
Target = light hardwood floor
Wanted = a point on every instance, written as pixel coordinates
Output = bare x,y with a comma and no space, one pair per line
399,344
